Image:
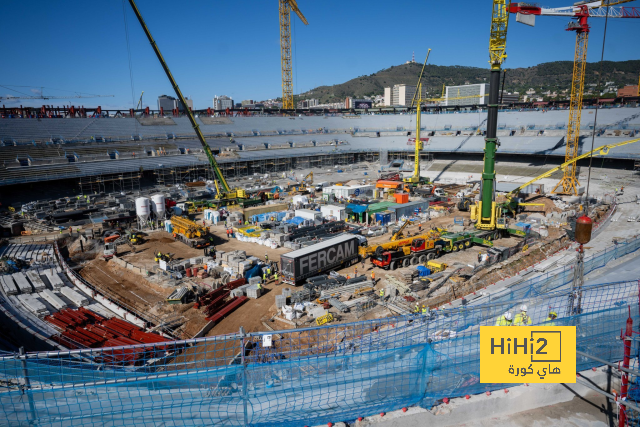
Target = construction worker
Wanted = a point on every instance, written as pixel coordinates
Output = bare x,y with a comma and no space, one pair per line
348,277
268,271
373,277
259,285
424,310
275,276
363,264
264,277
522,319
416,309
355,272
505,320
382,293
266,257
550,319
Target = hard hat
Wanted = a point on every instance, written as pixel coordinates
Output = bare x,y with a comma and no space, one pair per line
508,315
523,307
553,313
423,305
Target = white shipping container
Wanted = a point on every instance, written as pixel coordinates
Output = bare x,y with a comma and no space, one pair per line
33,304
36,281
74,296
23,284
53,299
333,211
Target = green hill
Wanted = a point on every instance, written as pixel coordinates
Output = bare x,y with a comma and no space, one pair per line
553,76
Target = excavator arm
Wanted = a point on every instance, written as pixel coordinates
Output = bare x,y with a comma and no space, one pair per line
194,124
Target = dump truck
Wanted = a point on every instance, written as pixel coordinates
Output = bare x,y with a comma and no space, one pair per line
335,253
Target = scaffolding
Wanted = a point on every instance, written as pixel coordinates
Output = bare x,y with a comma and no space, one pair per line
182,174
110,182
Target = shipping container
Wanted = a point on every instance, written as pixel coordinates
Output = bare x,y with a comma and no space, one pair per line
316,259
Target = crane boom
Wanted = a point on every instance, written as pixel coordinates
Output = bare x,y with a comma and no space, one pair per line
417,100
194,124
485,211
600,151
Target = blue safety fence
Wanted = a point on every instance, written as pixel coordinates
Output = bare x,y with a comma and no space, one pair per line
306,377
559,278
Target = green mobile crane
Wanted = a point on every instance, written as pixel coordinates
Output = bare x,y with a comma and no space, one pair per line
485,211
223,192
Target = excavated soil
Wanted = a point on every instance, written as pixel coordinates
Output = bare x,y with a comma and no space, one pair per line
132,289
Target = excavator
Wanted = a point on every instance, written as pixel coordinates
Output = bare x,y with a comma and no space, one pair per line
224,194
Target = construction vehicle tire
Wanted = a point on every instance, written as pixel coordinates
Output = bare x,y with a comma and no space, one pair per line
379,251
392,266
414,260
496,235
467,243
406,262
455,248
461,247
430,256
423,259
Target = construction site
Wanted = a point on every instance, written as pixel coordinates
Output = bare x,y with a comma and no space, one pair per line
297,268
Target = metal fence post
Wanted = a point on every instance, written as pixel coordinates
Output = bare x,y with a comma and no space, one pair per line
244,375
626,340
26,386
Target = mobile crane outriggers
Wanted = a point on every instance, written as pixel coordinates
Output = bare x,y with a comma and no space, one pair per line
223,192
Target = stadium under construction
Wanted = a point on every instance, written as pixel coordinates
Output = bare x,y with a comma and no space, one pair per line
322,267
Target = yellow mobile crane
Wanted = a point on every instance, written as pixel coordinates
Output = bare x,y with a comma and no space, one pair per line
417,100
223,192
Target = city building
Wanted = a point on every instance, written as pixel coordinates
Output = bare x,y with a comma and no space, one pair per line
308,103
510,98
222,102
477,94
169,103
247,102
401,95
629,90
166,103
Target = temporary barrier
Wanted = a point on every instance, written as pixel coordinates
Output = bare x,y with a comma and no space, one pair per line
312,376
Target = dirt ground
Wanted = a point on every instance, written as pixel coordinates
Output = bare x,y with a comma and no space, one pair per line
146,297
154,242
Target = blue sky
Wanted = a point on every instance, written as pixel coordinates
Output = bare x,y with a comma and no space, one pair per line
232,48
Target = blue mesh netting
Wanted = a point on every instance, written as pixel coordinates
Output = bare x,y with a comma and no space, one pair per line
309,376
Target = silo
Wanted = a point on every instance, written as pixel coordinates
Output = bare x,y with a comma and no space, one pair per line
158,205
143,210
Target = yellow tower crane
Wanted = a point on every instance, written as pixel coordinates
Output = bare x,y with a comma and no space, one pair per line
285,7
580,12
417,100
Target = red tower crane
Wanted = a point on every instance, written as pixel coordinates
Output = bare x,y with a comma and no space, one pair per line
526,13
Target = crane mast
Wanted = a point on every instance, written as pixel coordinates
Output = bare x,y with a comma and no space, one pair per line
417,99
485,210
194,124
285,7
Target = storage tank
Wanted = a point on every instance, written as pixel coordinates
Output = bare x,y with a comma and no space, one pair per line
143,209
158,205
